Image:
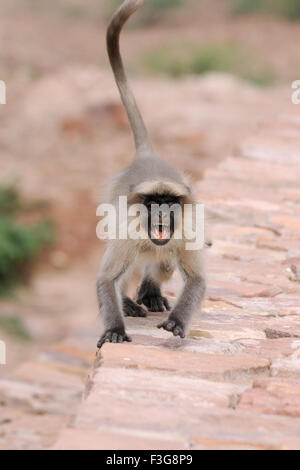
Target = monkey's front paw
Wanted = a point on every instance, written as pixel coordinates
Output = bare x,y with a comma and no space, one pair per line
115,335
154,303
173,326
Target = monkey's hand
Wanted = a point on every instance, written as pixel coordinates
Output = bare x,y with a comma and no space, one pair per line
173,325
115,335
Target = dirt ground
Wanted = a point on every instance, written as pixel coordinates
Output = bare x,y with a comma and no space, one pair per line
38,37
63,131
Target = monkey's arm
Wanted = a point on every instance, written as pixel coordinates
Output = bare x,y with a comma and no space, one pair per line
114,266
191,267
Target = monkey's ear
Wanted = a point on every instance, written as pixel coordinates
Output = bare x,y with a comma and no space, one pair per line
188,183
188,189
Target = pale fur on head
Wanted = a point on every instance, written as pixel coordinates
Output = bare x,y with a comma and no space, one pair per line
162,187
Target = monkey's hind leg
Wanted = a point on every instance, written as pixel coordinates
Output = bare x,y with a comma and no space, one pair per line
131,309
149,293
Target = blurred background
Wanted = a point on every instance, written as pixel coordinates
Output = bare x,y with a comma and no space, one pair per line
205,74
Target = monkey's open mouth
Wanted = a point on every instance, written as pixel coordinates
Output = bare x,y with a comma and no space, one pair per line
160,234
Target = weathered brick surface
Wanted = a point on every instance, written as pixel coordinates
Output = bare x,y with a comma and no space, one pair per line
86,439
278,396
234,383
208,366
41,396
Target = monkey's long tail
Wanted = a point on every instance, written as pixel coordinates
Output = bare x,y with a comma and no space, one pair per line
139,130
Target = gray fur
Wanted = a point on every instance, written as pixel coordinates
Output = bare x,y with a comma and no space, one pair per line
113,47
122,255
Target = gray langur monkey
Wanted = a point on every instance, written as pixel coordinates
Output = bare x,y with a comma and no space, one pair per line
149,181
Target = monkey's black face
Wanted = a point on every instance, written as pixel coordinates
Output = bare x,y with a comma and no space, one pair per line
161,220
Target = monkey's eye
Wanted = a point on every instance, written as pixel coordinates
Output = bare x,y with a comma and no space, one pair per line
151,203
177,200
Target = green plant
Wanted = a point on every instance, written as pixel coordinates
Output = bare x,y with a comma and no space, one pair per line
14,326
20,243
247,6
178,60
9,200
289,9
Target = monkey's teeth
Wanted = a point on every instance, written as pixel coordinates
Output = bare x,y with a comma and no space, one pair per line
160,232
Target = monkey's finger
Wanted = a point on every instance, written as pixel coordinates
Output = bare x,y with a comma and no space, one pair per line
114,338
170,325
127,338
139,301
166,303
178,332
159,307
143,314
102,340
